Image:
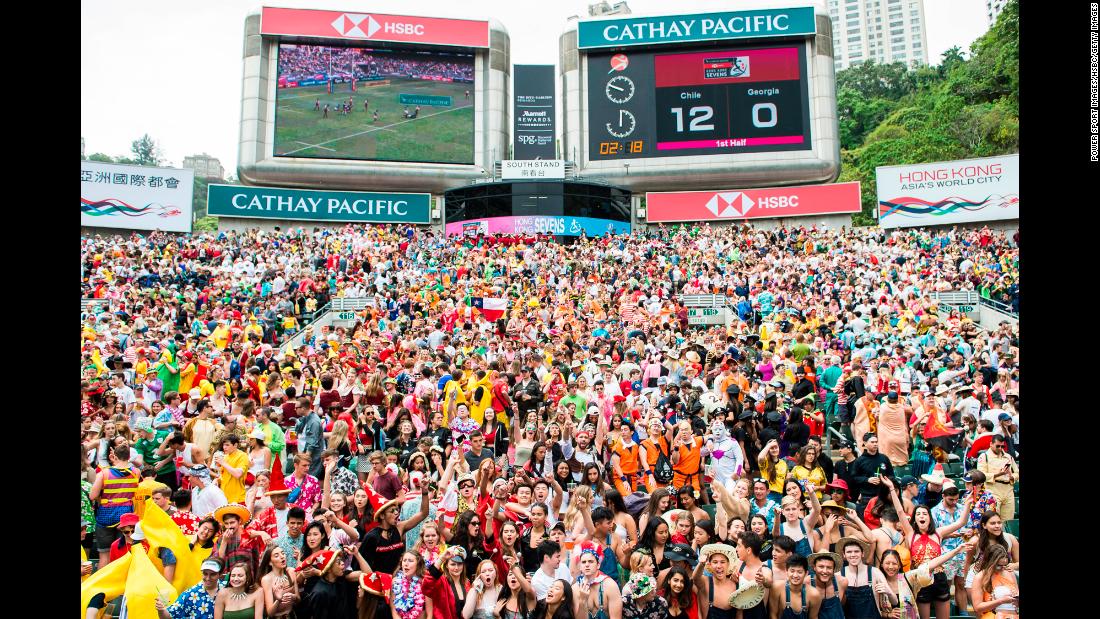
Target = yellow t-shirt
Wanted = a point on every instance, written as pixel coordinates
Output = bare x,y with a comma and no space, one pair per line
187,378
221,337
233,487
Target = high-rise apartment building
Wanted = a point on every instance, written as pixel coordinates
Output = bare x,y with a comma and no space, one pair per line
885,31
993,8
603,8
205,166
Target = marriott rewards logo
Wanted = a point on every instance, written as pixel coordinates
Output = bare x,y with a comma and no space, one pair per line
678,206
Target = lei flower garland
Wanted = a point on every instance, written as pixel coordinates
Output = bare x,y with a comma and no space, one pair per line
408,597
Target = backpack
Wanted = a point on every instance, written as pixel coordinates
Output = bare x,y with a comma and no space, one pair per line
662,469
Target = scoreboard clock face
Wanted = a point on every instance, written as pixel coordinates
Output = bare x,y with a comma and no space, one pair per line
716,101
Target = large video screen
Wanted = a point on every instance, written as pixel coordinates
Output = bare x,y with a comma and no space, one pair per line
700,102
376,104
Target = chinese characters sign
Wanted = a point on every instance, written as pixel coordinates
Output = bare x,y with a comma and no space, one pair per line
135,197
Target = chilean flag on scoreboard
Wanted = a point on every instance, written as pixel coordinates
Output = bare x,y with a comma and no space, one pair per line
492,309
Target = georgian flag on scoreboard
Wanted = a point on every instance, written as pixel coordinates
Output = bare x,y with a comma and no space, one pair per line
492,309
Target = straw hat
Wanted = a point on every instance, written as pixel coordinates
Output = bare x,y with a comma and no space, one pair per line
724,549
819,555
833,505
843,542
748,595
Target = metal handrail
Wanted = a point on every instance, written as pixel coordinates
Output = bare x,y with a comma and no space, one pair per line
997,305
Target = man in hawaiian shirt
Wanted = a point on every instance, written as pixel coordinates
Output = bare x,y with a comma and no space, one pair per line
198,601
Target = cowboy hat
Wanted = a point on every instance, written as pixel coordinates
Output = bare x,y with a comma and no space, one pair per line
843,542
942,389
724,549
833,505
936,476
235,509
821,555
748,595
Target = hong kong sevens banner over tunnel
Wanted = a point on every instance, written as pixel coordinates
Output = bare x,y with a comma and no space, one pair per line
949,192
730,205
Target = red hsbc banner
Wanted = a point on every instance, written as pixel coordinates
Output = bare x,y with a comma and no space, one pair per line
374,27
752,203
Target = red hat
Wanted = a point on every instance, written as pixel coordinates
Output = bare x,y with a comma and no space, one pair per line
618,399
839,484
379,504
322,560
129,520
376,583
277,485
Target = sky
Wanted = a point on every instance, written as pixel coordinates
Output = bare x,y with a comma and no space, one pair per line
173,69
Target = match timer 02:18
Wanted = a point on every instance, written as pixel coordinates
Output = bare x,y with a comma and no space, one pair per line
632,147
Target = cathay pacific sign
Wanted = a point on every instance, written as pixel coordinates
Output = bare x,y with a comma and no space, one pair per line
307,205
761,23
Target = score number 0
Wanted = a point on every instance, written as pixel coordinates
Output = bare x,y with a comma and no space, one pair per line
699,116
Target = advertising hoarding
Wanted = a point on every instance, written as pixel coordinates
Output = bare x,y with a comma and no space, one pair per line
719,101
374,27
135,197
375,104
321,206
950,192
533,120
729,205
797,21
557,225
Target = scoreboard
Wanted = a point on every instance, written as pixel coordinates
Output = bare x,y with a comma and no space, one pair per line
746,98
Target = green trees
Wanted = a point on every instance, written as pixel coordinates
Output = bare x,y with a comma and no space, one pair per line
965,107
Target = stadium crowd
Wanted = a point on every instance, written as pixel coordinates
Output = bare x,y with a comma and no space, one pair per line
843,447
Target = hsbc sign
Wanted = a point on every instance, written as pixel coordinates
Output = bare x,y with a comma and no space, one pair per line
752,203
373,27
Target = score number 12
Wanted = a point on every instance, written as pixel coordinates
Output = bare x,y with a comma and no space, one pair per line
699,115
